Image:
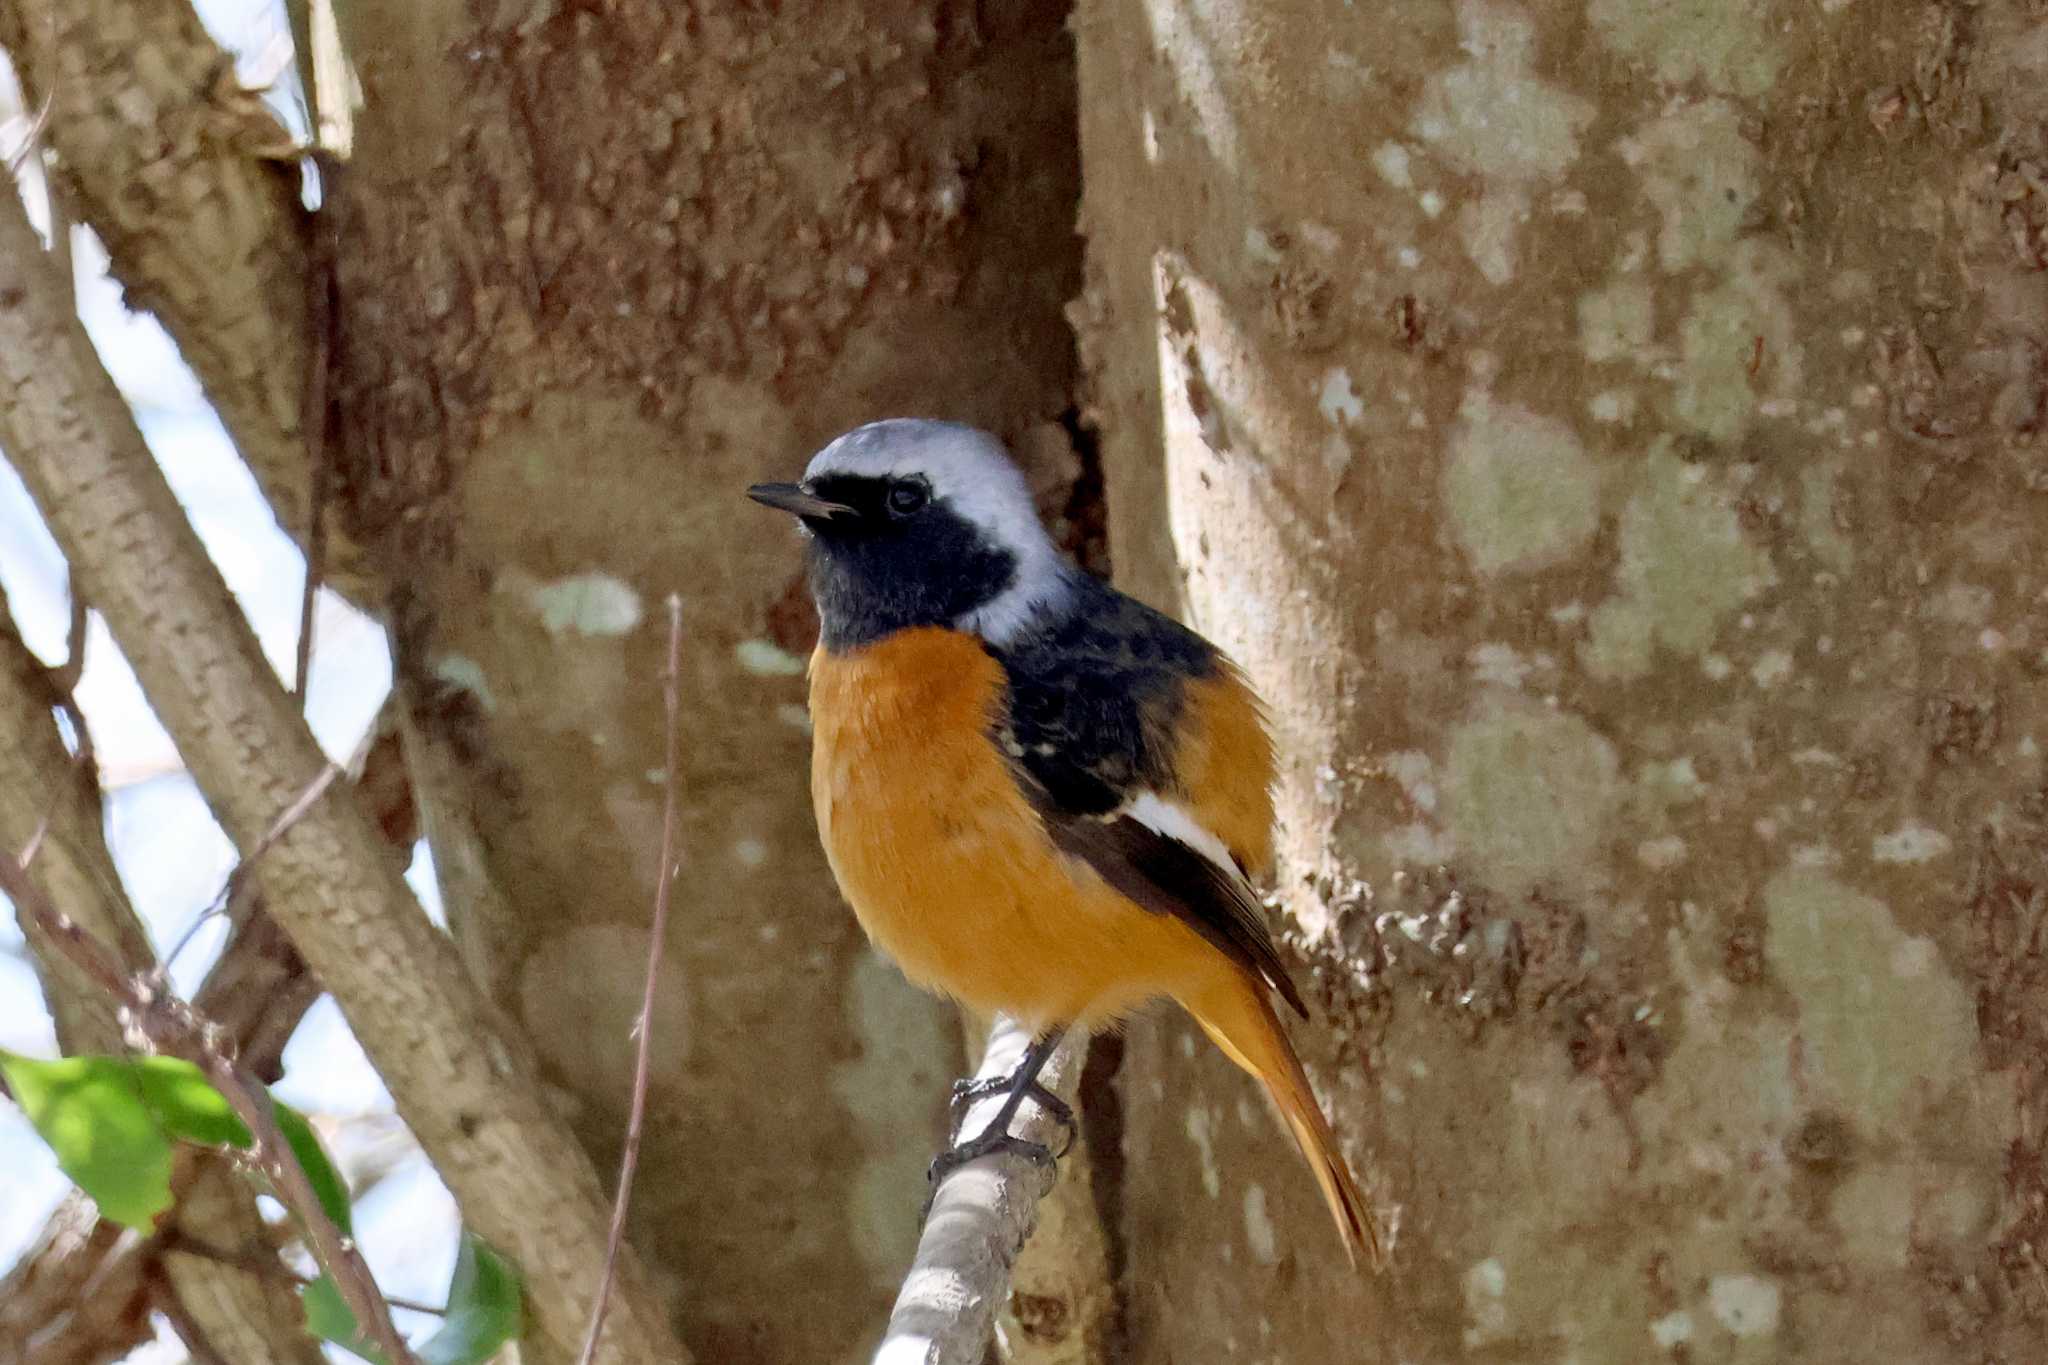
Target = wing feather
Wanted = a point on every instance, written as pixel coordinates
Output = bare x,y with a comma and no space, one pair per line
1170,875
1097,711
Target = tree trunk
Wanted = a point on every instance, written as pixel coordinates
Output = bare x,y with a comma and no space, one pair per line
1609,436
600,268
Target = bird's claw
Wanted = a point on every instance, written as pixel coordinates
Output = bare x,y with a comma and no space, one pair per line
988,1144
967,1091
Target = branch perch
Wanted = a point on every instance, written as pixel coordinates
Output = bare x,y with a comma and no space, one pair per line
467,1088
980,1218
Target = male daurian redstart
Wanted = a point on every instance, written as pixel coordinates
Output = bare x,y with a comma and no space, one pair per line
1041,797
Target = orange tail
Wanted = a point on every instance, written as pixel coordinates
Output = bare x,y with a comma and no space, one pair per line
1238,1019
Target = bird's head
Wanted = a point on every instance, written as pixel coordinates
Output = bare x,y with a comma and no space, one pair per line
921,523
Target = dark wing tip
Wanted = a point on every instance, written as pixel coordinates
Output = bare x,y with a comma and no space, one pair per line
1161,874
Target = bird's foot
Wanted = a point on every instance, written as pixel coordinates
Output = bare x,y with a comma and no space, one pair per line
967,1091
974,1149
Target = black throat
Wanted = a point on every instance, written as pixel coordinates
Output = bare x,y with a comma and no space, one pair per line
874,573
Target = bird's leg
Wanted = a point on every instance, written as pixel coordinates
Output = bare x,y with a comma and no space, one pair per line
967,1091
1021,1084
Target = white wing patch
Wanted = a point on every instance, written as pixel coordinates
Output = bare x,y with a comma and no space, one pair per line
1178,823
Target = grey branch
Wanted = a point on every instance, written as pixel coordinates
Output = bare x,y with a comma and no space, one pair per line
982,1215
466,1086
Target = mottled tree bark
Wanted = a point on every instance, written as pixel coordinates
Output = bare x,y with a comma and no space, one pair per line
1610,437
602,266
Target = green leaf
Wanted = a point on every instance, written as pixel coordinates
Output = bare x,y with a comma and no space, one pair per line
327,1183
186,1103
328,1318
95,1116
483,1308
189,1108
483,1311
111,1121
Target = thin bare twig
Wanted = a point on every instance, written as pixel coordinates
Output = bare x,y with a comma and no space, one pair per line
170,1025
981,1216
291,814
657,934
184,1243
231,889
316,568
32,139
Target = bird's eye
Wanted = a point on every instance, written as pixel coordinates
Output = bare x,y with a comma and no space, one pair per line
909,496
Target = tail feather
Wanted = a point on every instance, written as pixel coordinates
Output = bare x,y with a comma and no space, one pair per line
1239,1020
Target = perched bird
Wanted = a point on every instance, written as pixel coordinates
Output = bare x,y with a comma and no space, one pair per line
1040,796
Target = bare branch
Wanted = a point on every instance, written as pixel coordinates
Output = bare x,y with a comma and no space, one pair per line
57,1297
193,186
467,1088
1062,1306
51,802
172,1026
979,1221
272,1268
45,792
198,1346
318,411
82,1292
657,935
235,888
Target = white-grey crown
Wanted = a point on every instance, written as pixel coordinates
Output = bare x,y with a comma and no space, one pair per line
970,472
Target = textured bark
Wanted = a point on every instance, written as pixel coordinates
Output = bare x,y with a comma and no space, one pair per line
463,1085
42,789
46,1307
193,187
245,1317
602,267
1610,437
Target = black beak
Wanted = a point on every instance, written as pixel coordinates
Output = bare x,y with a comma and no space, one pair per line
798,500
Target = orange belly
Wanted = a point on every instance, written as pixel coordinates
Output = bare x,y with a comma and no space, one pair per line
944,862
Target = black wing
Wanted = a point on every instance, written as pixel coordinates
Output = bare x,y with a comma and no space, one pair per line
1092,706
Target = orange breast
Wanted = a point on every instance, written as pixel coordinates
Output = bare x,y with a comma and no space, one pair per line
947,867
